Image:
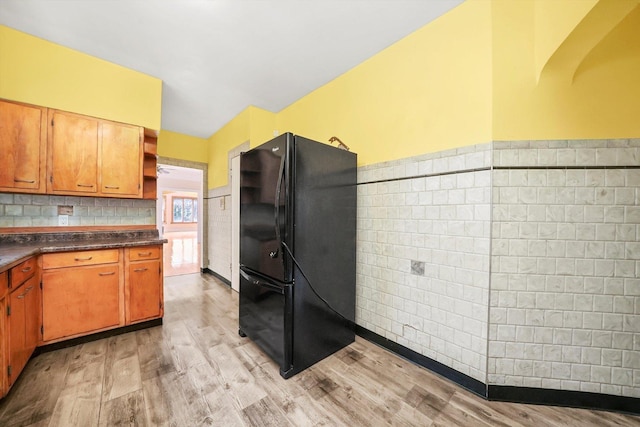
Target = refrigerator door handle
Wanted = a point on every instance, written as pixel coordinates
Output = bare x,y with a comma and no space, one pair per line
263,283
276,211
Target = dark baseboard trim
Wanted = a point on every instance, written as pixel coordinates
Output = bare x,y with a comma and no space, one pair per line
529,395
216,275
97,336
571,398
451,374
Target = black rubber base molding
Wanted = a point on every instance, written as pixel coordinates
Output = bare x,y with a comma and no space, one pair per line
457,377
97,336
574,399
530,395
216,275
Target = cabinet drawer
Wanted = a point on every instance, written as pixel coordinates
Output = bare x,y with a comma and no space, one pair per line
4,286
75,259
23,271
144,252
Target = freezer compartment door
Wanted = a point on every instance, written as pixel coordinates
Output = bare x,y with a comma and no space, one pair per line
266,316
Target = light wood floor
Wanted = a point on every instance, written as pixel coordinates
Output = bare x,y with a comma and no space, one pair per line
181,253
195,370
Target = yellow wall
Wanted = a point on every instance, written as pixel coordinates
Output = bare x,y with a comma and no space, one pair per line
185,147
428,92
253,125
262,126
231,135
487,70
553,21
39,72
589,87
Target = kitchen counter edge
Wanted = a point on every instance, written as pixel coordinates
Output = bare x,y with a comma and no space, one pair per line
12,254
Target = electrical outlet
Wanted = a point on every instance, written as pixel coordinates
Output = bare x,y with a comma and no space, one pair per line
63,220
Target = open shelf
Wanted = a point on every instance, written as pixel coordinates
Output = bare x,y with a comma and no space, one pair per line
150,165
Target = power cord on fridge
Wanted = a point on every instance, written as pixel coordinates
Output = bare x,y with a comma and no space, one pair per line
284,245
281,173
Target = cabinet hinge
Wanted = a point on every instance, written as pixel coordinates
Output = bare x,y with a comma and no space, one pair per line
51,179
9,370
41,284
51,122
8,310
41,329
160,305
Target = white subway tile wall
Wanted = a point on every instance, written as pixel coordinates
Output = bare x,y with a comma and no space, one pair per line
220,234
423,252
565,266
36,210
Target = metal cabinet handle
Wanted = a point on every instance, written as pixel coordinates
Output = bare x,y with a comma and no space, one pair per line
84,259
28,181
139,270
85,185
24,270
26,291
112,187
111,273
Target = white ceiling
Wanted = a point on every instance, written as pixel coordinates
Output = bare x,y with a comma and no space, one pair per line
216,57
179,178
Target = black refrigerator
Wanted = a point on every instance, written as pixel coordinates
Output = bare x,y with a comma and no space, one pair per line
297,250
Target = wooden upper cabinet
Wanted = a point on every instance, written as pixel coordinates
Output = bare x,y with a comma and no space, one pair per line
89,156
121,159
73,154
22,147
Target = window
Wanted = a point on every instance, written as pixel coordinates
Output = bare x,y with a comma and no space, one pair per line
185,209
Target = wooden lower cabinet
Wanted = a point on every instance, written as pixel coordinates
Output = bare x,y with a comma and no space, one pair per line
23,326
65,295
3,340
80,300
143,290
89,291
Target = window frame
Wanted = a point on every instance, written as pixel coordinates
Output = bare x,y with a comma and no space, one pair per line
194,208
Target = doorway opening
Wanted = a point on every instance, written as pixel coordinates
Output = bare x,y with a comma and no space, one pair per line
179,218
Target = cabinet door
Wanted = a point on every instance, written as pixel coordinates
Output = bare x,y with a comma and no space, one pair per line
32,315
3,342
121,159
22,144
4,284
73,154
23,326
17,332
145,290
80,300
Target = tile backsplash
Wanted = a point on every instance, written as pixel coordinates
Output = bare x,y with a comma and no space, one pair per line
35,210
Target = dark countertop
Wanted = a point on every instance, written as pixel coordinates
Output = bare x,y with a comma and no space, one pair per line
15,248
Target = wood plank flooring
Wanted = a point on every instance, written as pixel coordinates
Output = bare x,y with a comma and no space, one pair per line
195,370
